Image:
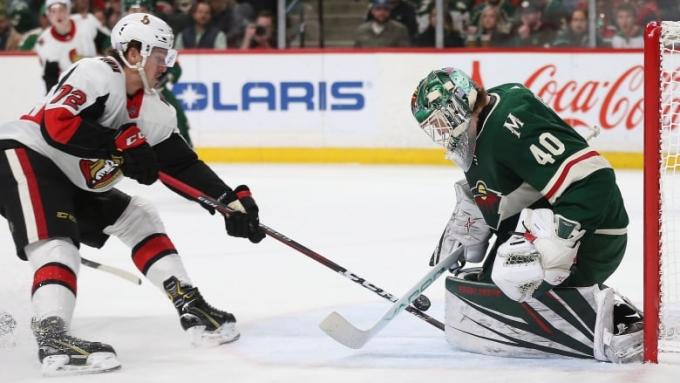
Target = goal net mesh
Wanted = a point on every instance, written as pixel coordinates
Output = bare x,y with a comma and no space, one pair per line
669,338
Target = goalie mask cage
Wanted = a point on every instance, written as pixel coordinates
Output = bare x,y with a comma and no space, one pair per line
662,190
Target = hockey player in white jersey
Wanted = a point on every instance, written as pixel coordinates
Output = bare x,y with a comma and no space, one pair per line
67,40
58,166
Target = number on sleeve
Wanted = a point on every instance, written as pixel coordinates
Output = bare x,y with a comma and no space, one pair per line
72,97
548,146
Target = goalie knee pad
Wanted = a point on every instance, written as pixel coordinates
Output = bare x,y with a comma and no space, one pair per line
56,263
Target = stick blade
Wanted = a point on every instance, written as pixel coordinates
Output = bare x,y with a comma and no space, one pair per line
339,328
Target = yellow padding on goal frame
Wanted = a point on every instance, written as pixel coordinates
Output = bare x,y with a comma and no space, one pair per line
396,156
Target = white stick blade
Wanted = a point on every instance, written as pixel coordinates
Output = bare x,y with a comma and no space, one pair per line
339,328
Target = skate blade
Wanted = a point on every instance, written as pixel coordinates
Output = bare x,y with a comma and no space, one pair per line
226,333
98,362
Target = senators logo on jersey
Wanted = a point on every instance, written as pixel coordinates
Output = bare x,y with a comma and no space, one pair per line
100,173
489,202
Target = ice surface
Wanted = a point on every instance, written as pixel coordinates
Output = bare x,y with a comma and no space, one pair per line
380,222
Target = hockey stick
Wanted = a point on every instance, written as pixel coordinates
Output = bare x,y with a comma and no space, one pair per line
111,270
222,208
340,329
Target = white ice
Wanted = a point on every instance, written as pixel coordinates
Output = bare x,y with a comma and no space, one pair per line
381,222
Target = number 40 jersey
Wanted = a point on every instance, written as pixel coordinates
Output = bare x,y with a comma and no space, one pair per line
527,156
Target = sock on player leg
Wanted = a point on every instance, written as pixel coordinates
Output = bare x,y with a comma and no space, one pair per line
56,263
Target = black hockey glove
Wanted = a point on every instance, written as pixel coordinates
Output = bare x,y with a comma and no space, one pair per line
139,160
245,221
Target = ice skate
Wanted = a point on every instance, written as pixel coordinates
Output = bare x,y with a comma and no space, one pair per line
206,325
62,354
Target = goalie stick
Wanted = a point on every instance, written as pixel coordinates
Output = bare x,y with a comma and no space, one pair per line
223,209
340,329
111,270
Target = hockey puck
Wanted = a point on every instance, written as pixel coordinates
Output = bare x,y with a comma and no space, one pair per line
422,303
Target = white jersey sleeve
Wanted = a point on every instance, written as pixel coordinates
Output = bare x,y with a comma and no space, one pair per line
76,123
154,116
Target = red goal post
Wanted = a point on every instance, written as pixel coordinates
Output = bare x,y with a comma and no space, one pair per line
662,189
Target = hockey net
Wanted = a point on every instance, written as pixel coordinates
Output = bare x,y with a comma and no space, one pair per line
662,189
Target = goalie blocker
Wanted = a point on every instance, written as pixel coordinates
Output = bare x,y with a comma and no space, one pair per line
577,322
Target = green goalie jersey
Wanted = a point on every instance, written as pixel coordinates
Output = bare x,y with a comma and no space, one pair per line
527,156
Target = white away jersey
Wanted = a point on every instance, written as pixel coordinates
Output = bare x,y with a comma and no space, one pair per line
76,123
66,50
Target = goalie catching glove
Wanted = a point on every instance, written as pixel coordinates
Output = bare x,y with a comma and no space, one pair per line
543,248
466,227
244,221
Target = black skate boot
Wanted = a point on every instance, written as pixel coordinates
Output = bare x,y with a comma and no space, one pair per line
62,354
206,325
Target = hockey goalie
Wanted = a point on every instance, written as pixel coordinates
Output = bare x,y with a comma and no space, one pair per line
557,216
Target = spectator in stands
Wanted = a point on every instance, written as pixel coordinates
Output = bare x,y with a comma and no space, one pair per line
260,35
382,31
669,9
505,7
427,37
402,12
232,19
554,13
492,30
533,32
263,5
30,38
576,33
23,17
180,17
201,33
113,11
628,34
9,37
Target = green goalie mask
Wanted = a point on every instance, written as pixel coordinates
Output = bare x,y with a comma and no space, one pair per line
442,104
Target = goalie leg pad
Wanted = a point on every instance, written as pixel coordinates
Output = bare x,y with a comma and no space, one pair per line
618,330
577,322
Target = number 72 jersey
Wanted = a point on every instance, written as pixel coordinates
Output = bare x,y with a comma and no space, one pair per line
527,156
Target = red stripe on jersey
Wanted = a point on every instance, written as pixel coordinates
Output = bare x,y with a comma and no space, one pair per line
151,249
134,103
61,124
55,273
36,117
66,37
565,172
34,192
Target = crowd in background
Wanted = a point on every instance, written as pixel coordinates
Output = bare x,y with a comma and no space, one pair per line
208,24
250,24
512,23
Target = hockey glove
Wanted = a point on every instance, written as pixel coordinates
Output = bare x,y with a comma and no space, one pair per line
244,221
543,248
139,160
466,227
